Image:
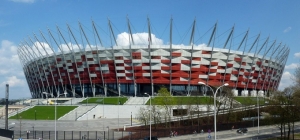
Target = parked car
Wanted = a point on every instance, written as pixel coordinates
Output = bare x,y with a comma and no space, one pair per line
152,138
242,130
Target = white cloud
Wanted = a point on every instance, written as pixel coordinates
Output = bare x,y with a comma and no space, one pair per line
13,81
24,1
138,38
286,80
11,71
292,66
287,29
297,55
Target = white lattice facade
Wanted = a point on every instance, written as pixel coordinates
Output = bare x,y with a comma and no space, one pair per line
136,69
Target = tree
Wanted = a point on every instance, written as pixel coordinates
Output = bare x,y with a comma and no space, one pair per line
166,101
296,106
143,115
284,110
297,75
277,113
224,99
196,109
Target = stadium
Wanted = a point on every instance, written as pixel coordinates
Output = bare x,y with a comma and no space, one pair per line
77,62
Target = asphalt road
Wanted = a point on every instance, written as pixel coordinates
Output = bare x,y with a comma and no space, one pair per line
265,132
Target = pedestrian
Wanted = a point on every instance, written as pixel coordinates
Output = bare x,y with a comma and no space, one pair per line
232,127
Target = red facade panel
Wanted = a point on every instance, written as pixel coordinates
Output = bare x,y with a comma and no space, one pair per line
214,63
213,70
136,54
185,61
197,58
107,61
237,59
138,68
128,68
235,72
229,65
165,61
127,61
258,63
204,68
176,54
206,52
165,68
175,67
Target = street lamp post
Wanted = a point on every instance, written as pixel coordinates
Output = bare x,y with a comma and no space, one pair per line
150,114
215,108
107,132
118,110
119,103
33,135
257,113
20,119
55,115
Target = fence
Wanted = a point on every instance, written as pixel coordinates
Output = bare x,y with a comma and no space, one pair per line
66,135
6,133
94,135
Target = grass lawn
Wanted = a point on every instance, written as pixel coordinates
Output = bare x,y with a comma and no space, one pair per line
105,100
250,100
44,112
185,100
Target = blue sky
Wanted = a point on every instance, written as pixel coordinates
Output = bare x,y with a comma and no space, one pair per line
19,19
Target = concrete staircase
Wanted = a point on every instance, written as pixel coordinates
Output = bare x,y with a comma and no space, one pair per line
76,113
74,101
136,101
19,111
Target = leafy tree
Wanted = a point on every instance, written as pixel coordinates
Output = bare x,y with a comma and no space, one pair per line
284,110
166,103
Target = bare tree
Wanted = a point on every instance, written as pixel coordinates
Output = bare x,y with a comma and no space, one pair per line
297,76
143,115
225,99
